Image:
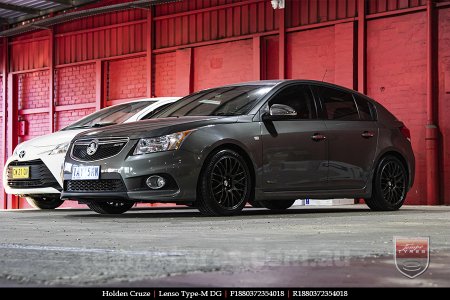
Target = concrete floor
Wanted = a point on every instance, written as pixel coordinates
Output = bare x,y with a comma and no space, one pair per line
304,246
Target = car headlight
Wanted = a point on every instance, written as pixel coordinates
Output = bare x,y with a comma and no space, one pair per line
161,143
60,149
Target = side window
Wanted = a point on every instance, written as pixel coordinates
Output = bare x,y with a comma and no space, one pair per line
338,105
300,98
365,108
155,111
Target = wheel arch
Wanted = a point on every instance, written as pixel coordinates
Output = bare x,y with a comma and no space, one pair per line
400,157
230,145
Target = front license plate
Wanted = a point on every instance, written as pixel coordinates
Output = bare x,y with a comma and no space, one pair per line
85,172
20,172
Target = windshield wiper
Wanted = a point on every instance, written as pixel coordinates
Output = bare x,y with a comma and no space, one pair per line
102,124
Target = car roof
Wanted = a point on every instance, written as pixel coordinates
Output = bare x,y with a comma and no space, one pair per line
280,81
306,81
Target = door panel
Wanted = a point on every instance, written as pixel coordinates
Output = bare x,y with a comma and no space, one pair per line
352,147
292,160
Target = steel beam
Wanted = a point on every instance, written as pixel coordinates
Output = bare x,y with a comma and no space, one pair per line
22,9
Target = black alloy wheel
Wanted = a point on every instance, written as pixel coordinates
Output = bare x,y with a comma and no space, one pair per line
390,185
225,185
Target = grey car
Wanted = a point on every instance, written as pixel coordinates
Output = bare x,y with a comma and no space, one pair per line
266,143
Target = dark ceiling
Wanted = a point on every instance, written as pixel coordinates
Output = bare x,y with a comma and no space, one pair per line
14,11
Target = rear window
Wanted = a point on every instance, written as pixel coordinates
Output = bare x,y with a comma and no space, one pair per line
365,108
338,105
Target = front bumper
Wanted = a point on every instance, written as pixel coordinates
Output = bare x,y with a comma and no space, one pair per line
42,179
122,177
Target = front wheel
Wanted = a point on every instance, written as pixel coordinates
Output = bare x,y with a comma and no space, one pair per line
389,185
225,184
110,208
45,202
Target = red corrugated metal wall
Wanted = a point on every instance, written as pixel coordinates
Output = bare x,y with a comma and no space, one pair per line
379,47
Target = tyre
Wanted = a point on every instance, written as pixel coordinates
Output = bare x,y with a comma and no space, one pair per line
277,204
110,208
224,185
389,185
50,202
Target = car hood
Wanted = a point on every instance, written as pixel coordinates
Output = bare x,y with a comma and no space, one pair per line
156,127
50,140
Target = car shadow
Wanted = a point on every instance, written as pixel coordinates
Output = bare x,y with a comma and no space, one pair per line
187,212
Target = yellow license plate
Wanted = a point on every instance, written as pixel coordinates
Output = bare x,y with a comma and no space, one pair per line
20,172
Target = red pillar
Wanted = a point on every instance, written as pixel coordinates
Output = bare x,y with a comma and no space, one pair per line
4,116
51,85
13,201
99,103
362,46
183,73
149,51
282,43
432,131
257,58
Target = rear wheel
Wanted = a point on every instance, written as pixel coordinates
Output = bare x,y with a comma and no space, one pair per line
277,204
110,208
389,185
45,202
225,184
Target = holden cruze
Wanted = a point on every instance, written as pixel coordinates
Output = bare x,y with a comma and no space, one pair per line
267,143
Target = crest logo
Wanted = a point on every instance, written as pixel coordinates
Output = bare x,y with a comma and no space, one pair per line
412,255
22,154
92,147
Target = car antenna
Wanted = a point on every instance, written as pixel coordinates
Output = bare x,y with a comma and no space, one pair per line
323,78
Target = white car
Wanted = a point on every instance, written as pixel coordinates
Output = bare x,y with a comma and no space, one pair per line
34,169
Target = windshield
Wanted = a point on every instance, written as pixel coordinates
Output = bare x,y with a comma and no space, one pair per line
223,101
109,116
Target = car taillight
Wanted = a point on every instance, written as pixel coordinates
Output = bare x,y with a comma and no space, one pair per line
406,132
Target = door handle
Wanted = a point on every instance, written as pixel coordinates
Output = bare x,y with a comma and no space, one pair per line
368,134
318,137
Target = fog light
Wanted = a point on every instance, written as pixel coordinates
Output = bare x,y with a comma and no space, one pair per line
155,182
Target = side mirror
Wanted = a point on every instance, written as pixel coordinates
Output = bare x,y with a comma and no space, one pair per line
279,112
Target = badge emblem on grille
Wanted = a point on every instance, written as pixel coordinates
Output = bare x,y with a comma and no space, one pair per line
92,147
22,154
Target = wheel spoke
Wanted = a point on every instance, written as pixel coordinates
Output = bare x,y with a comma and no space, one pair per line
228,182
393,182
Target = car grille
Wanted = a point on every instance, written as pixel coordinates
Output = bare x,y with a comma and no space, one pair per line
40,176
103,185
106,148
